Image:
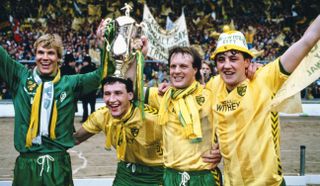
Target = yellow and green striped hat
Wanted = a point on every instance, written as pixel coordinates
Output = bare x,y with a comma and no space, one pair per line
231,40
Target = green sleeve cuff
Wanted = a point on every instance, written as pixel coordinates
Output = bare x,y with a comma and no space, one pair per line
282,70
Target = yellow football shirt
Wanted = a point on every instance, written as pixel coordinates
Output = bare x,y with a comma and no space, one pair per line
179,152
248,132
144,140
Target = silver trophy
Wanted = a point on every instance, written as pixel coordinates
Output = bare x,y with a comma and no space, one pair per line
126,32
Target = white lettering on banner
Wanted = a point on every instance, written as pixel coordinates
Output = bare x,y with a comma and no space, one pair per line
160,40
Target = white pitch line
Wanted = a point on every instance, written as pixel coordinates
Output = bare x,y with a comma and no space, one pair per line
84,164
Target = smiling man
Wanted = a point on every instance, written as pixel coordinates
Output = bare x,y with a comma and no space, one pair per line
138,142
248,131
44,112
186,118
46,60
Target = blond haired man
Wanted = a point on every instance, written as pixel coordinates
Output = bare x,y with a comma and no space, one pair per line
44,112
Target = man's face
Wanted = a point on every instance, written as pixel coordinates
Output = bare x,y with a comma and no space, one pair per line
46,60
117,98
232,66
182,74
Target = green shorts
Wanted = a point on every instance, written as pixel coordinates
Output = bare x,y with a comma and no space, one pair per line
38,169
131,174
283,183
192,178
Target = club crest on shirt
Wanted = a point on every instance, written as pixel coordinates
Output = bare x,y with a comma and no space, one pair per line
242,90
200,100
31,85
134,131
63,96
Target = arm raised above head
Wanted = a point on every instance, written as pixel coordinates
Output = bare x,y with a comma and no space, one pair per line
295,53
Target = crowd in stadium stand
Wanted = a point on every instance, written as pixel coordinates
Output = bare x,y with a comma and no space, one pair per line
269,26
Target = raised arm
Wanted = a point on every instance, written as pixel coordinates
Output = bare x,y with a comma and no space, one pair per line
91,81
10,70
140,44
294,54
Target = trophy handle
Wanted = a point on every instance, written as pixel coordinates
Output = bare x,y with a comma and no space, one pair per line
109,25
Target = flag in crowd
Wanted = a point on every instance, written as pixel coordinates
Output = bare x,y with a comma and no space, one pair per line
160,40
288,98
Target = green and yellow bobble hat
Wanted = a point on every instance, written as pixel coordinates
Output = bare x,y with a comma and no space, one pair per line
109,67
231,40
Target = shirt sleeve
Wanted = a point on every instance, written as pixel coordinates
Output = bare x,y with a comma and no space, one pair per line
272,75
97,121
89,82
10,70
210,84
152,97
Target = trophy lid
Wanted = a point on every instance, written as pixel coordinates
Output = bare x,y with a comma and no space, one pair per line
123,20
126,19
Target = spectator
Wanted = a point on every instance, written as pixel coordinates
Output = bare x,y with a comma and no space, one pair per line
154,81
148,71
68,67
206,71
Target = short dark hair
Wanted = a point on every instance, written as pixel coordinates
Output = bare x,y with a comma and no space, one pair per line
210,65
87,58
69,58
244,54
109,80
193,53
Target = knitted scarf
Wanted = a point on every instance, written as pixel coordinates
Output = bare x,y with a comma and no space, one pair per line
43,111
139,83
184,104
121,140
